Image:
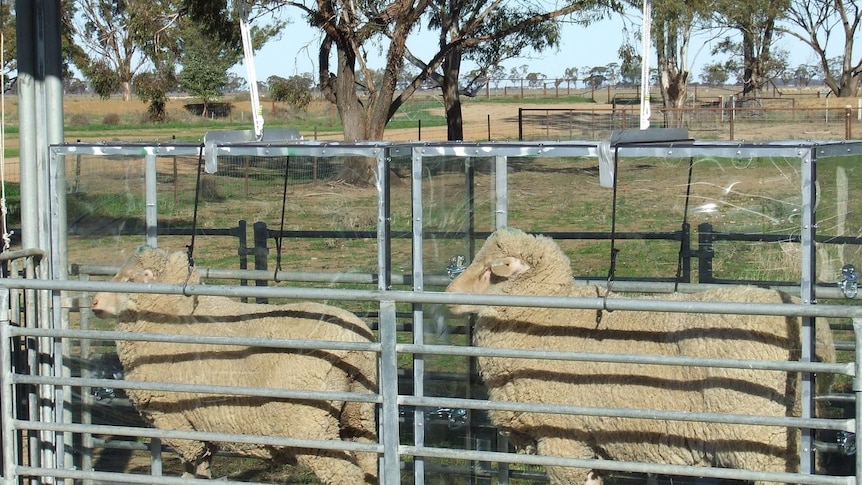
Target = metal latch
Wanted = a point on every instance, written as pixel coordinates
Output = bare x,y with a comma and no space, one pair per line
849,283
846,442
457,265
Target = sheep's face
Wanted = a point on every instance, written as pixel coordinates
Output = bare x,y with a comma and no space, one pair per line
110,304
483,277
146,266
513,262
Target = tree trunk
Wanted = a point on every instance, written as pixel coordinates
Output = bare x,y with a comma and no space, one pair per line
671,38
451,96
127,91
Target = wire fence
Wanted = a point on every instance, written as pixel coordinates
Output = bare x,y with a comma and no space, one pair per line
751,121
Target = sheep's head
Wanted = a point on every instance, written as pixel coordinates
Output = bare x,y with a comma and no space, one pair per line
513,262
147,265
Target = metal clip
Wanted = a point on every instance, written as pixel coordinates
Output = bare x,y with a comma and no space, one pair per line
846,442
457,265
849,283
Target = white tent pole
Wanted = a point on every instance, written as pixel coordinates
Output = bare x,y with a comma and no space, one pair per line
251,75
645,42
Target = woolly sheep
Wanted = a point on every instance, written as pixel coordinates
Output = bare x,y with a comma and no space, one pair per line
512,262
229,365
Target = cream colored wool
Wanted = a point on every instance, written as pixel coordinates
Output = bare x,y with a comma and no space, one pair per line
224,365
512,262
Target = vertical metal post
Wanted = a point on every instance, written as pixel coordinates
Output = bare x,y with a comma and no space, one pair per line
705,253
501,192
857,394
685,250
390,435
809,274
150,197
418,314
261,252
7,394
501,219
242,250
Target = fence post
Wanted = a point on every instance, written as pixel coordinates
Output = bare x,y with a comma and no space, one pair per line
705,253
848,113
685,253
732,114
242,250
261,252
520,124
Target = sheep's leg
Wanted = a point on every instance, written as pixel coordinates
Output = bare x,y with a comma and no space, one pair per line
358,424
198,468
560,475
335,468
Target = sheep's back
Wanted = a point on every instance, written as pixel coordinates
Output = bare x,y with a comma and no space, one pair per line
228,365
674,388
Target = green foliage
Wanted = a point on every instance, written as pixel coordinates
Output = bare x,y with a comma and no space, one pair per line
205,62
103,79
13,203
715,74
10,44
295,91
152,88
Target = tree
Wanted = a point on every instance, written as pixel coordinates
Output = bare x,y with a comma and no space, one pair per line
596,76
714,74
349,29
152,87
571,75
114,37
535,79
673,22
507,29
817,21
755,22
235,83
10,46
205,62
295,91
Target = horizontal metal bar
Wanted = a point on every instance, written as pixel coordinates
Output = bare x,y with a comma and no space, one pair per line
634,413
199,388
114,477
609,304
199,436
646,359
625,466
620,285
21,253
301,344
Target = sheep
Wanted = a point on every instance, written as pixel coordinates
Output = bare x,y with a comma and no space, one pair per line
513,262
230,365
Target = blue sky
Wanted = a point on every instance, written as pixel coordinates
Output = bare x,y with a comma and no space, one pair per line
296,51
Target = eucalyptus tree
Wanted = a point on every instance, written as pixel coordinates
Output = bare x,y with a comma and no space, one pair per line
350,30
671,26
7,26
489,32
816,23
756,23
117,38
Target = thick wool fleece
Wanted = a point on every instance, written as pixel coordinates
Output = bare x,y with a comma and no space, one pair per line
315,370
512,262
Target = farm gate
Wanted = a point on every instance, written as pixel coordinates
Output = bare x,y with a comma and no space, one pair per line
385,252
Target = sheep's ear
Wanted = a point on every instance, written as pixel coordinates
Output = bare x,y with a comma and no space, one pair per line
508,267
